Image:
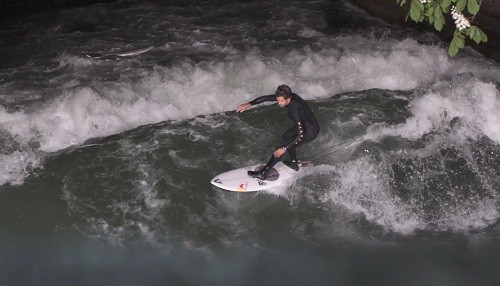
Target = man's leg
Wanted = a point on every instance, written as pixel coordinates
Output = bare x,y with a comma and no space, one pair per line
262,174
293,163
286,137
292,150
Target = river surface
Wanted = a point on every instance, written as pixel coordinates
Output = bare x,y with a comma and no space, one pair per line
105,164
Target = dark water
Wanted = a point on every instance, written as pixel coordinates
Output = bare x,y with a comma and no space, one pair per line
106,163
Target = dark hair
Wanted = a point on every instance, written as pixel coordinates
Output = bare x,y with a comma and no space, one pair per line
283,91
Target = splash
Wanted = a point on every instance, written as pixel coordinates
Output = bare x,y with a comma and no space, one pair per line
466,107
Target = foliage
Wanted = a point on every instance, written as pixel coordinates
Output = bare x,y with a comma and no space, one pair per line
434,11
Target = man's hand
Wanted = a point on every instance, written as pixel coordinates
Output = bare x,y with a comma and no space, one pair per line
279,152
243,107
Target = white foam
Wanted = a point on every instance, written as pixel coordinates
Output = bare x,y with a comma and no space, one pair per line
359,63
17,165
83,107
475,104
470,215
362,187
309,33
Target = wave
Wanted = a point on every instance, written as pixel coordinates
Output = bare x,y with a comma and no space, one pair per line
86,108
87,99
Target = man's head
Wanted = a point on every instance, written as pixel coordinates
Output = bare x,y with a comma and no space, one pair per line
284,91
283,95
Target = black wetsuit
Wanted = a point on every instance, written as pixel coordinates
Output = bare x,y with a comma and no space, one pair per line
305,129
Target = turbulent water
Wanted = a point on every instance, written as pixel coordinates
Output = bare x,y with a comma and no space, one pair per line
105,163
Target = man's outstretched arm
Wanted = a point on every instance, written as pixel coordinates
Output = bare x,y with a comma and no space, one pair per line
244,106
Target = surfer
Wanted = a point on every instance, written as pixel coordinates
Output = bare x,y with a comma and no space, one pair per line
305,129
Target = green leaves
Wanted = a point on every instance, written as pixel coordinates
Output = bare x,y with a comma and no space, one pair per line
456,44
434,13
458,41
472,6
439,23
416,10
477,35
445,5
439,18
461,5
453,50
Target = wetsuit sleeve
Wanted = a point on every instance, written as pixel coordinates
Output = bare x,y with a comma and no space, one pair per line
296,116
264,98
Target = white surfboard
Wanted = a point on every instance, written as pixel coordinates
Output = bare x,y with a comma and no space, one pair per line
134,52
239,181
119,54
